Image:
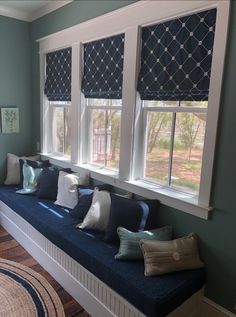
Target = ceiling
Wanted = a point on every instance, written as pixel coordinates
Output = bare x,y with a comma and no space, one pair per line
28,10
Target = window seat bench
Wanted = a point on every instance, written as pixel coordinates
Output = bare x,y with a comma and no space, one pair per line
150,296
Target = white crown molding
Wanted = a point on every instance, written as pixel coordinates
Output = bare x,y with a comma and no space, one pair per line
13,13
51,6
29,17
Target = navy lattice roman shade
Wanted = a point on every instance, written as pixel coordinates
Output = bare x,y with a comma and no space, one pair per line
176,58
58,75
103,68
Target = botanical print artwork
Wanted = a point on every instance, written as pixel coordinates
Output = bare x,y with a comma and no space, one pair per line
10,120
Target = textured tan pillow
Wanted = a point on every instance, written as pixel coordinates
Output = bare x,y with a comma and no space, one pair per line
161,257
13,168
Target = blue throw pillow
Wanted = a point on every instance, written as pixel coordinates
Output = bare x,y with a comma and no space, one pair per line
131,214
48,182
129,241
106,187
83,205
30,179
34,164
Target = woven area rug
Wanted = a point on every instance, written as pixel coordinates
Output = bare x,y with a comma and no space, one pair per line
25,293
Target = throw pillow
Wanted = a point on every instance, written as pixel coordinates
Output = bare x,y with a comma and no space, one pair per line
128,213
106,187
83,205
34,164
30,179
161,257
129,241
98,214
48,183
13,168
67,195
85,200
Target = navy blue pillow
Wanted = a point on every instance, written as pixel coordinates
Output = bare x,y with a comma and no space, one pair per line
48,182
100,187
152,218
131,214
83,205
34,164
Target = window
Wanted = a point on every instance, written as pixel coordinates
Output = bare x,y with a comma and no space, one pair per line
102,87
174,84
174,140
57,89
104,132
61,127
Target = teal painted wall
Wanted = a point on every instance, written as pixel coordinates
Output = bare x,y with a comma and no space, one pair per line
15,85
217,235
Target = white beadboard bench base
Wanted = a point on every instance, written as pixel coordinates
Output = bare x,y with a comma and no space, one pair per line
94,296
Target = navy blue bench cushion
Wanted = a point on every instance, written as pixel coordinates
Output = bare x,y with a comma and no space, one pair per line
154,296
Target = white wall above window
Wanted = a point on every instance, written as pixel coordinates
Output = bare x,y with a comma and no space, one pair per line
130,20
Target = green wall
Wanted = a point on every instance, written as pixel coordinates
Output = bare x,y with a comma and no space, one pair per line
217,235
15,85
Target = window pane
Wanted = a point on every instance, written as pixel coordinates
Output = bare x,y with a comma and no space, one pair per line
158,146
105,137
104,102
58,136
113,139
62,131
67,149
98,137
199,104
157,103
60,103
188,149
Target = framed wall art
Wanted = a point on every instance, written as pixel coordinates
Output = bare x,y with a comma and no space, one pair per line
10,120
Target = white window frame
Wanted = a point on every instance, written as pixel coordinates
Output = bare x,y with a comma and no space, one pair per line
129,20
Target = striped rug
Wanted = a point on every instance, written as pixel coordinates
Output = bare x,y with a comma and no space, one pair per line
25,293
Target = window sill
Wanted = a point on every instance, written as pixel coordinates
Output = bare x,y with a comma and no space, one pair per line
60,160
171,197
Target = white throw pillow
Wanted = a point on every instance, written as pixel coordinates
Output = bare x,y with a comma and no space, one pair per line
99,212
67,195
13,168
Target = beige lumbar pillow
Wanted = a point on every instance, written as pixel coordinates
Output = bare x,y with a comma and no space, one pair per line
161,257
13,168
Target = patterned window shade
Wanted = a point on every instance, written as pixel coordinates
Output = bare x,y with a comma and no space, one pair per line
176,58
103,68
58,75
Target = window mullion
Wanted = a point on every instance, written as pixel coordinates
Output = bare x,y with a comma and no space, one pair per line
75,102
105,134
171,148
128,102
64,132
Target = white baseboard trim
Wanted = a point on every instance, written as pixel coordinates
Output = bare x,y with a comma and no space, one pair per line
211,309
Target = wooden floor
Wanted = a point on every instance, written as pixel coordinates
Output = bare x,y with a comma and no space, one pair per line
11,250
